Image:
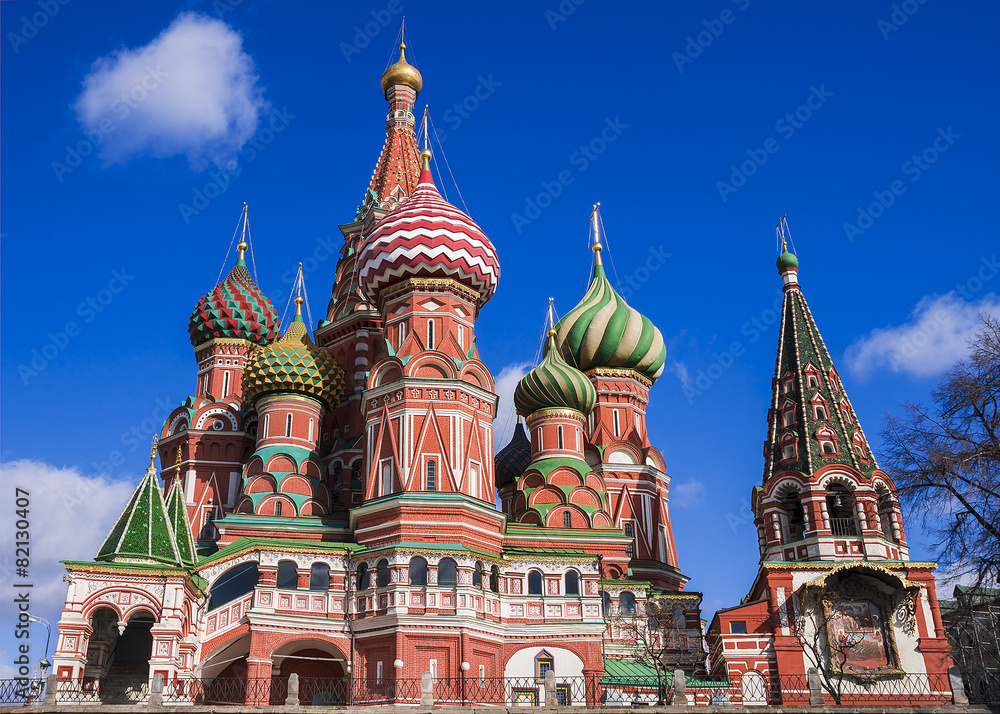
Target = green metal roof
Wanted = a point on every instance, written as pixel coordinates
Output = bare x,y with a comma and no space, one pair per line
143,529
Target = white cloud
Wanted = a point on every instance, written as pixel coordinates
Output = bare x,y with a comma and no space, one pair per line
687,494
69,516
934,338
680,370
192,91
506,381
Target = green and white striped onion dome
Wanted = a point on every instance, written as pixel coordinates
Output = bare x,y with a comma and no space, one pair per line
554,385
602,331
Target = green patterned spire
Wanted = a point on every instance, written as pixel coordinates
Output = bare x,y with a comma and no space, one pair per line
603,331
294,364
811,422
143,532
554,385
178,516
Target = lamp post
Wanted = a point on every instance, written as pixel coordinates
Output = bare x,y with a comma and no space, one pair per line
465,668
44,663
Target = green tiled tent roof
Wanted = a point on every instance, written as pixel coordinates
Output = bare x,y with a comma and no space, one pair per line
178,516
799,345
143,532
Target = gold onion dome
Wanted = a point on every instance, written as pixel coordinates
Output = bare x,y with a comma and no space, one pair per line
295,365
554,385
604,332
402,73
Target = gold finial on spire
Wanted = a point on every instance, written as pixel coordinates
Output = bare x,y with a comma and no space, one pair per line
180,458
401,73
425,155
152,452
242,245
593,220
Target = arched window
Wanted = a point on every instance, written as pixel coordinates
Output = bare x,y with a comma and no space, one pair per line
288,425
225,383
431,475
495,579
418,571
312,426
319,576
288,577
363,577
474,481
277,508
267,420
614,418
821,413
606,601
430,334
382,573
477,576
233,583
572,582
626,602
386,478
208,531
559,437
813,382
567,519
535,582
829,448
447,573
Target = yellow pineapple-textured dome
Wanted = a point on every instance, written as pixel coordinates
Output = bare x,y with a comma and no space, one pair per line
294,364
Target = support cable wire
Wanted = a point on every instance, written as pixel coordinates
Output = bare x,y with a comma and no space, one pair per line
608,246
225,260
445,157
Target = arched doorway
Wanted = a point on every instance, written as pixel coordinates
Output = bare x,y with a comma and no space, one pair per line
322,670
103,637
134,648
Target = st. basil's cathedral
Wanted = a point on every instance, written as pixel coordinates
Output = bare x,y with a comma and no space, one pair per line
329,504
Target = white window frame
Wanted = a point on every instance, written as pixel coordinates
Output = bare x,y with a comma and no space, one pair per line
288,425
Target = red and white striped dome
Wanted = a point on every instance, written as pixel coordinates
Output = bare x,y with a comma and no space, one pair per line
427,237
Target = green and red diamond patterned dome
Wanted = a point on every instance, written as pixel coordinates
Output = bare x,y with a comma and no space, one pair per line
235,309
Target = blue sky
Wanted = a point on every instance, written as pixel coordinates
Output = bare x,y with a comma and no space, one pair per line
696,126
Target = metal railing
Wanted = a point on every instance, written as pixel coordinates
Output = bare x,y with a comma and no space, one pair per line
592,690
843,527
21,691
